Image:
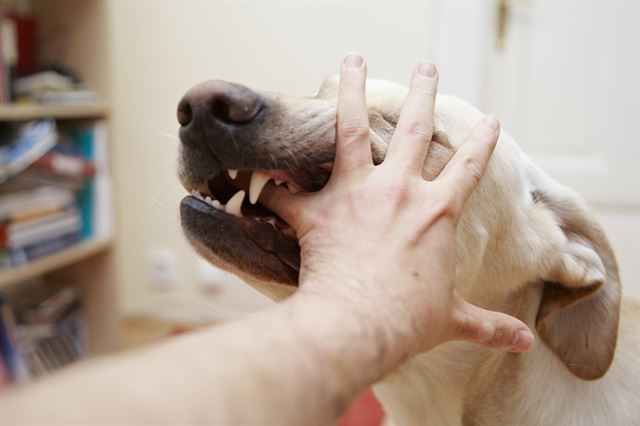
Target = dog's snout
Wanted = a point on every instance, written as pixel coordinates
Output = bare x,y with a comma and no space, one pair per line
220,101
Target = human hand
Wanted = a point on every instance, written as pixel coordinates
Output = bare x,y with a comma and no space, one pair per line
379,241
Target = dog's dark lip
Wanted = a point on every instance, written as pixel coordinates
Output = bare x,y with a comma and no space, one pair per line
253,238
260,239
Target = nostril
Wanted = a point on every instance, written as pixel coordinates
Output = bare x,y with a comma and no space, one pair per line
185,115
220,110
219,102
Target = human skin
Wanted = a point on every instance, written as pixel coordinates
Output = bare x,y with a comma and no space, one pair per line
377,287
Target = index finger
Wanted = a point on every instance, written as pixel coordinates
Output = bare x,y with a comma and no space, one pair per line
353,146
465,169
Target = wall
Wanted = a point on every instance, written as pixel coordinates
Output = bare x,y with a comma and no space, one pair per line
160,49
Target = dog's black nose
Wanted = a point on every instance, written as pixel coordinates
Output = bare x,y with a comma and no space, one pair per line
217,100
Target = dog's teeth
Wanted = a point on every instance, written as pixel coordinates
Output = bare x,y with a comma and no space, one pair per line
278,181
216,204
293,190
258,181
208,199
233,173
289,232
234,204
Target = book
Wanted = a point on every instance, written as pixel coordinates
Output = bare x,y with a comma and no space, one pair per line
96,198
21,145
67,97
43,81
9,345
65,164
23,205
24,240
5,378
42,329
25,254
8,53
61,167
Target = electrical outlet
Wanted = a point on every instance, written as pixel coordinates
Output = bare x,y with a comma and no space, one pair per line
163,268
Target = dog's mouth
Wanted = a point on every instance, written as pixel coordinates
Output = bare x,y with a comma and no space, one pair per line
223,216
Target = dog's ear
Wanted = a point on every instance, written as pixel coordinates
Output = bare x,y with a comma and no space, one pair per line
578,314
579,310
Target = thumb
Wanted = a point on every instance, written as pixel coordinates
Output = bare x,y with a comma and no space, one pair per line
494,330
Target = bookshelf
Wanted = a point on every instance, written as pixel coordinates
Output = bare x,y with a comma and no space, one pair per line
73,34
59,260
21,112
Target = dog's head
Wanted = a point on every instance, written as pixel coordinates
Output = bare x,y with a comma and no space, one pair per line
519,228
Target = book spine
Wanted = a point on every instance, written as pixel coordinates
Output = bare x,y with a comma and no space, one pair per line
86,196
27,233
33,252
9,345
104,226
55,343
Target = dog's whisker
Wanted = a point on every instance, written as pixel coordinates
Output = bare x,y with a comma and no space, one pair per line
163,134
156,199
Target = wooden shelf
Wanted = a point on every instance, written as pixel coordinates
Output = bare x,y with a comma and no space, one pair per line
19,112
56,261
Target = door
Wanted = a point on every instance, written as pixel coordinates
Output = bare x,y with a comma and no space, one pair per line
565,84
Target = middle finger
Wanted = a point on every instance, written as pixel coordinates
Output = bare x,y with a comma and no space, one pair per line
410,142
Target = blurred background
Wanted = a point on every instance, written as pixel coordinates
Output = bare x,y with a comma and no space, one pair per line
89,225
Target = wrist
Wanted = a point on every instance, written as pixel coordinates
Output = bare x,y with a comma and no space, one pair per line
365,342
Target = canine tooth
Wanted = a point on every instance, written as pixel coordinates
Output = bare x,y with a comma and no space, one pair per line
289,232
234,204
233,173
258,181
293,190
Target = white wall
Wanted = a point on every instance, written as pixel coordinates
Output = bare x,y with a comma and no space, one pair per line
160,49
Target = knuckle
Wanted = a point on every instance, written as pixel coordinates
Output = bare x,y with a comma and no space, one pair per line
399,191
352,128
424,89
447,205
472,169
499,334
418,129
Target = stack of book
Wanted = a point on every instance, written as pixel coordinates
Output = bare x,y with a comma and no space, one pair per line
40,330
49,189
22,78
18,39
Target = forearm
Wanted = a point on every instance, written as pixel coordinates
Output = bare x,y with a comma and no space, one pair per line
300,362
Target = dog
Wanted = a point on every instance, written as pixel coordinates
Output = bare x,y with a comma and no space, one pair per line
525,245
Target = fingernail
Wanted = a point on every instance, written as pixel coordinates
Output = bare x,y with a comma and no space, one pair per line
492,122
353,60
427,69
522,339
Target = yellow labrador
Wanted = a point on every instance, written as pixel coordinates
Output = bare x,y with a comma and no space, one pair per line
526,245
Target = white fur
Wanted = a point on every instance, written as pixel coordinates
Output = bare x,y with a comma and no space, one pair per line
504,243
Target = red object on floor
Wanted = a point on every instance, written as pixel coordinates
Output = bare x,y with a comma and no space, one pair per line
365,411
